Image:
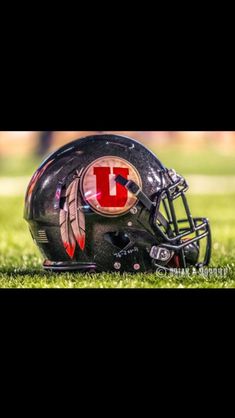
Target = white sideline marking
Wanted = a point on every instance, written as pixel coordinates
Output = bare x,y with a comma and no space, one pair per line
198,184
13,186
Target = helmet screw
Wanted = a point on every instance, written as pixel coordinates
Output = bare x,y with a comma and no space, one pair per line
136,266
134,210
129,223
117,266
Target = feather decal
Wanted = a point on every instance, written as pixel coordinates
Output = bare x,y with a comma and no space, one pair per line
72,219
67,234
65,227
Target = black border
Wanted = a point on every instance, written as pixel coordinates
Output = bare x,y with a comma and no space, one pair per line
145,107
173,102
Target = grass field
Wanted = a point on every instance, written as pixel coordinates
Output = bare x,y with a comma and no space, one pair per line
20,261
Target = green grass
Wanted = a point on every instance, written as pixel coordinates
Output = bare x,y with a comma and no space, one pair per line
23,166
20,262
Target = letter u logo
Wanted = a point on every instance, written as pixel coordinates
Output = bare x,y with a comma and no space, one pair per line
100,190
103,187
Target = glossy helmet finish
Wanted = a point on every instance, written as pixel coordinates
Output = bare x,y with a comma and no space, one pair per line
106,203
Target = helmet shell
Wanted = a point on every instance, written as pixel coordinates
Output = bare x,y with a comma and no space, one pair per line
105,234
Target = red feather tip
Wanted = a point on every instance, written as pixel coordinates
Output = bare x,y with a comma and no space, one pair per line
69,249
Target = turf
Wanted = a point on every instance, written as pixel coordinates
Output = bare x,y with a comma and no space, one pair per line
20,261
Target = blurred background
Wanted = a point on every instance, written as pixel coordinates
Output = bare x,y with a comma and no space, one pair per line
206,159
190,153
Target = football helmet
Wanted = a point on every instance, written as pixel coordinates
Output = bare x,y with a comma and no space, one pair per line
106,203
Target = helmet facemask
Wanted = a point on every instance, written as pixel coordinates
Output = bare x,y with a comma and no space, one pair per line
179,237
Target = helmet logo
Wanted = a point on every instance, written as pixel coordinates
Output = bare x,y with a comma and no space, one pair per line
105,199
100,189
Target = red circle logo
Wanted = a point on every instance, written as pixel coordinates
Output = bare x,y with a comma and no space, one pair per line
102,192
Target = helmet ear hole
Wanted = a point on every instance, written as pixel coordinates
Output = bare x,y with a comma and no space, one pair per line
117,238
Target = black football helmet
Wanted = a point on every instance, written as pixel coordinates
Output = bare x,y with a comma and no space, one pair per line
106,203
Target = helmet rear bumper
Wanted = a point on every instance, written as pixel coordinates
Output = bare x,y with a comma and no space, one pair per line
58,266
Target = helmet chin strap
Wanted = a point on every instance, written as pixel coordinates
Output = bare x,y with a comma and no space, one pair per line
136,190
143,198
